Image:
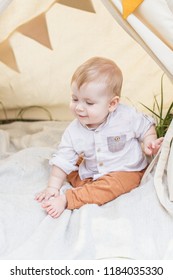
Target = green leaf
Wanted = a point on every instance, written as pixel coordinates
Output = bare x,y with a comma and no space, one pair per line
162,122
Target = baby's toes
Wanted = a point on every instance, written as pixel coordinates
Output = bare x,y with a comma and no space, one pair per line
46,204
49,208
56,215
51,211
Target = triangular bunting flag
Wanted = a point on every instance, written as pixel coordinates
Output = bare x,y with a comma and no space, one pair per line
37,30
85,5
7,55
129,6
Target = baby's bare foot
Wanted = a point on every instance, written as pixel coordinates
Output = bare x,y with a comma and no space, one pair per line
55,206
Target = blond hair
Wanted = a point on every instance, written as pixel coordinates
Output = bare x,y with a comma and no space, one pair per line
102,70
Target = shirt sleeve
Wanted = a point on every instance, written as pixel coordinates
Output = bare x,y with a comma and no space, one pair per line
141,124
65,157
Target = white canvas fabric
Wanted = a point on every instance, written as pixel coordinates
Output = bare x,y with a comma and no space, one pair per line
4,4
134,226
163,177
151,25
170,173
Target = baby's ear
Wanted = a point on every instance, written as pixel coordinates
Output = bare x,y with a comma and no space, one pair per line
114,103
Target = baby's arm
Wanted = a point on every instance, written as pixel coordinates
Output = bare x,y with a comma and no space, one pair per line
151,143
55,182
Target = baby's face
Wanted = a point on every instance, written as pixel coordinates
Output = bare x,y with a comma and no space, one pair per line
91,103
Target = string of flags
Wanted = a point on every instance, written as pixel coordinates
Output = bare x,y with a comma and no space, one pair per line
37,29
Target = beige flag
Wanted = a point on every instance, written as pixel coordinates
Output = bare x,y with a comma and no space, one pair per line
85,5
37,30
7,55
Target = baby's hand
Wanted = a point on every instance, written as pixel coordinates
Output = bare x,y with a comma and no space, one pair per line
47,194
151,148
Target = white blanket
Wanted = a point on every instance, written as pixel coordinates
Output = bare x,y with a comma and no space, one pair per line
137,225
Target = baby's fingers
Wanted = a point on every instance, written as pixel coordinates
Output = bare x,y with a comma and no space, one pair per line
159,141
40,196
48,196
148,150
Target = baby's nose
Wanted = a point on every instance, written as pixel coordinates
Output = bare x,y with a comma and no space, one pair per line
79,107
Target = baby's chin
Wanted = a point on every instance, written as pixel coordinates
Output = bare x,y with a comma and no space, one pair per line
92,125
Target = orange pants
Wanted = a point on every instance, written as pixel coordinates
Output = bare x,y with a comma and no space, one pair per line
102,190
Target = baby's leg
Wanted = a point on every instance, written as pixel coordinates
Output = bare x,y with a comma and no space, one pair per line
74,179
55,206
104,189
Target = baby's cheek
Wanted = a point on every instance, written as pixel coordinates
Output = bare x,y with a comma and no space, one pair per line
94,112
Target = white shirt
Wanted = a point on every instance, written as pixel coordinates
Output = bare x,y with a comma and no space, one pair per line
113,146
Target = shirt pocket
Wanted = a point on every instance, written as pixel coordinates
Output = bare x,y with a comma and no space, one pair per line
116,143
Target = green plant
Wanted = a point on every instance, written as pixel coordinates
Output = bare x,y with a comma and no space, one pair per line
162,119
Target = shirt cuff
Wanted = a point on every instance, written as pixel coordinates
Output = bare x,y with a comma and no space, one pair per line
63,164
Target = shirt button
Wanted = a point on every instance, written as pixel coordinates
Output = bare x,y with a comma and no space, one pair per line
98,150
101,164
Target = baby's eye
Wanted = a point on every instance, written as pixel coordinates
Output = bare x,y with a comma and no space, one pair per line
74,99
89,103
